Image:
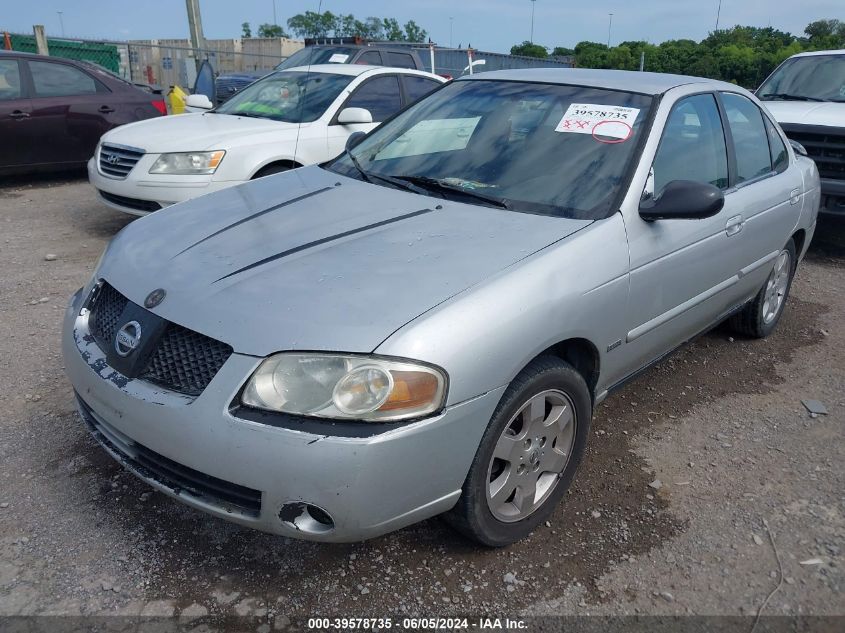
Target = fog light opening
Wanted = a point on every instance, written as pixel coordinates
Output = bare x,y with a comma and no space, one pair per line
306,517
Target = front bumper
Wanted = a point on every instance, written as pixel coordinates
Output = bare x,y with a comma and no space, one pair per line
140,193
368,485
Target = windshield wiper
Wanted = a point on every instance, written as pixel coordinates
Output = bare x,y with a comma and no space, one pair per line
433,184
368,176
788,97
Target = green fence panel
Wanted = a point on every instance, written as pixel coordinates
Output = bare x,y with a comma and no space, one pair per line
105,55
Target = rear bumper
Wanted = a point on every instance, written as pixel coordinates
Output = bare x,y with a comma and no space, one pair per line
368,485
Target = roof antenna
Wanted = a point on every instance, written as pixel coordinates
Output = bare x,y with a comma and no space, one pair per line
303,93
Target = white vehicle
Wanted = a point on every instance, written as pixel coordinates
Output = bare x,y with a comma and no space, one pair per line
806,95
285,120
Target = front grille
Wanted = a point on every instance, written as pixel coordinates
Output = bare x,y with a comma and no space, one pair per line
183,360
106,309
130,203
176,477
118,160
825,145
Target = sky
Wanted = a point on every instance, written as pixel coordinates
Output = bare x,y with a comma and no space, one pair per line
491,25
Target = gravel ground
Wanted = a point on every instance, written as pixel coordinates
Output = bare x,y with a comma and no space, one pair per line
706,486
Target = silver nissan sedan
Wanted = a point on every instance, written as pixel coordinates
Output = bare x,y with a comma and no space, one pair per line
425,324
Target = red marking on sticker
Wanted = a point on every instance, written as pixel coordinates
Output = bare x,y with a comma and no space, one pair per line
582,124
566,123
614,140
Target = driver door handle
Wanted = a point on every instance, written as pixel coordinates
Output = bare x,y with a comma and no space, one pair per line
106,109
18,114
734,225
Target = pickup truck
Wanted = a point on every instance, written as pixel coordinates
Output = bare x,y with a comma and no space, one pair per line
806,95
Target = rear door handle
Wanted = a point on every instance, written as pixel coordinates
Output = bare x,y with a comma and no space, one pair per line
106,109
734,225
18,114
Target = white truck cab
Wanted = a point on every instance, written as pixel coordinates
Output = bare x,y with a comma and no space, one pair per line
806,95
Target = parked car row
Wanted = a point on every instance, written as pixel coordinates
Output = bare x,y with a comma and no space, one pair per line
424,324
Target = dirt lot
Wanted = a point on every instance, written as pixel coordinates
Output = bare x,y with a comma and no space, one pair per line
720,425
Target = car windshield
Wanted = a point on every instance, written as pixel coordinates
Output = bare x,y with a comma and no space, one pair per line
539,148
293,97
318,55
811,78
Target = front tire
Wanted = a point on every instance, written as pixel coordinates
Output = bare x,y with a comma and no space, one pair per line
760,317
527,456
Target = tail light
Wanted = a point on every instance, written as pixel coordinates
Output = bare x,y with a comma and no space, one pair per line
160,106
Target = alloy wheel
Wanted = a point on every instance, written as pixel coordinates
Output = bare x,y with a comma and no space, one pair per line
531,455
776,287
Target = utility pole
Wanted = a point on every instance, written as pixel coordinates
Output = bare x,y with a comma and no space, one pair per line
718,12
61,22
195,26
40,40
531,38
450,32
609,25
274,12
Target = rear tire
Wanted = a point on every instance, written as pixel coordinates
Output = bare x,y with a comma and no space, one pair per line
528,455
760,317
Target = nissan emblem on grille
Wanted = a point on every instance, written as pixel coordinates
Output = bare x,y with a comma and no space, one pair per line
127,338
155,297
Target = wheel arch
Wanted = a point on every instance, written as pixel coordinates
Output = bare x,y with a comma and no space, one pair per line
798,238
291,164
584,357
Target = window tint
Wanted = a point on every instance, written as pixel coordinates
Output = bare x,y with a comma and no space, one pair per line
749,135
372,58
380,96
780,157
59,80
400,60
693,145
10,80
416,87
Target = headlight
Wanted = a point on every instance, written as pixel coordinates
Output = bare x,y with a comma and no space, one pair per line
343,386
188,163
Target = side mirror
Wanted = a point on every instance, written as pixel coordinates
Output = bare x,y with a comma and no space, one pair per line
349,116
683,199
353,139
200,102
798,148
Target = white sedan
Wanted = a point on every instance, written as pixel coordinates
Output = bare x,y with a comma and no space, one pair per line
285,120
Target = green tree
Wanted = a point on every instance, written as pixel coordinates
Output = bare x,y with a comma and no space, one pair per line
313,24
246,31
392,30
529,50
414,32
560,51
591,55
271,30
825,34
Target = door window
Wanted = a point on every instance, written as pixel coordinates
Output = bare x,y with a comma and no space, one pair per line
416,87
400,60
371,58
380,96
10,80
780,157
60,80
749,135
693,145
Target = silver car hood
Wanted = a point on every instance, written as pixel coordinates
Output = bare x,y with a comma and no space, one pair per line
312,260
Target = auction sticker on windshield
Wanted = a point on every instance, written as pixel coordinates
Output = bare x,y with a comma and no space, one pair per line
338,58
599,120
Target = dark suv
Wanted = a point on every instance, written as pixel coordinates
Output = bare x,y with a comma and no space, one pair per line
371,55
53,111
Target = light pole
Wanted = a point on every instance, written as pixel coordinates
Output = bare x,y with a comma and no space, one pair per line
274,13
531,38
718,12
609,26
450,31
61,22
